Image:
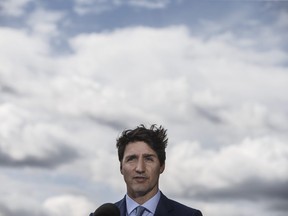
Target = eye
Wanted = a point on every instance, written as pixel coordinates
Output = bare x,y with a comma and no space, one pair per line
130,158
149,158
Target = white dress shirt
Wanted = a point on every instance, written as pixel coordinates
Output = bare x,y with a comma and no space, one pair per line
150,205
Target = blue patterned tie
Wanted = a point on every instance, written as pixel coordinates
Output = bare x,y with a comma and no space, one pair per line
140,210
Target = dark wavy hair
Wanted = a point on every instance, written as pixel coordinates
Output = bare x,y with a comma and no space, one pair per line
154,136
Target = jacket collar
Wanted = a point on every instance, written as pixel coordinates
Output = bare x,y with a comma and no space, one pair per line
122,206
164,207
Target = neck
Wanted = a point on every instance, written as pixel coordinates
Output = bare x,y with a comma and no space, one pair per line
141,198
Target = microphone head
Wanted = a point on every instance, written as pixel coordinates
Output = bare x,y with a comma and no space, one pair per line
107,209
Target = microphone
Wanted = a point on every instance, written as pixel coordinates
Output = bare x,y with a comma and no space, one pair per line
107,209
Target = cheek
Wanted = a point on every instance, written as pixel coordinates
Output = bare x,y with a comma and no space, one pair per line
125,170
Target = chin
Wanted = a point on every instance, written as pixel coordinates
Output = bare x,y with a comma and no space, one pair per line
141,191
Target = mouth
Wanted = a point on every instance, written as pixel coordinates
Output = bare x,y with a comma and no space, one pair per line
140,178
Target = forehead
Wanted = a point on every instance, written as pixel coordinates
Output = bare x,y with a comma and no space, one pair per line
138,148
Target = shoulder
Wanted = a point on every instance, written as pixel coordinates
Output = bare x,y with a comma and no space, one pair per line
178,208
121,203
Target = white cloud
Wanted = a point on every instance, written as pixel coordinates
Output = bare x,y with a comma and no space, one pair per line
227,208
222,90
13,7
152,4
45,22
107,172
255,118
18,195
282,21
23,135
99,57
182,80
31,58
68,205
206,99
91,6
192,168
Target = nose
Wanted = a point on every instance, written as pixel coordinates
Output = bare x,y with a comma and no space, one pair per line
140,167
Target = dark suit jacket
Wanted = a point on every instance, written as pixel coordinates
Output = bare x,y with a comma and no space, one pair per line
165,207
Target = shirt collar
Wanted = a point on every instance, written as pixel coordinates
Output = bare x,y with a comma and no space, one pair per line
150,205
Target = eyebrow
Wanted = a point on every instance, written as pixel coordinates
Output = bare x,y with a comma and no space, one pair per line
144,155
149,155
130,156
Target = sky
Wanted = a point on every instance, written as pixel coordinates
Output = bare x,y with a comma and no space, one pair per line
75,74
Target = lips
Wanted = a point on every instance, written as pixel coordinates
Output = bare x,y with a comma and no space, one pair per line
140,178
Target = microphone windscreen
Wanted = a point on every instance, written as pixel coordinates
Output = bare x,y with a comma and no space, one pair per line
107,209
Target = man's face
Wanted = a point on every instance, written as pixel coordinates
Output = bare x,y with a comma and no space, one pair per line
141,169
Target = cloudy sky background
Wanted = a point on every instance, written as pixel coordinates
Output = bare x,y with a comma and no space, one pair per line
74,74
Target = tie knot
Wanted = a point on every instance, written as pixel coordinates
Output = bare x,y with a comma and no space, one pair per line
140,210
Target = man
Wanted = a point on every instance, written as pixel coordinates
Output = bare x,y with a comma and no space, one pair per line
142,156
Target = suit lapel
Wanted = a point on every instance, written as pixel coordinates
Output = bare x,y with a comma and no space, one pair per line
122,207
163,207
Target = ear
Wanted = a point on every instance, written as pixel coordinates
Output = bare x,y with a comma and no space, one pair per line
162,168
121,168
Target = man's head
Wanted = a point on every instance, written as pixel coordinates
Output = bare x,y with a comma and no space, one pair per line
154,136
142,159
